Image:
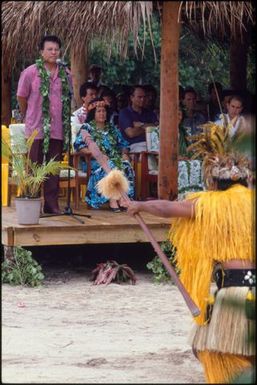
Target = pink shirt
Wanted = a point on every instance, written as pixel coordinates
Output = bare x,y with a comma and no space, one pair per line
29,88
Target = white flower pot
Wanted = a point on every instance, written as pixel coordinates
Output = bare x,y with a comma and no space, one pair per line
28,210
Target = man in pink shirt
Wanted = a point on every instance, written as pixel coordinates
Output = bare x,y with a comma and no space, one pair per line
30,102
87,92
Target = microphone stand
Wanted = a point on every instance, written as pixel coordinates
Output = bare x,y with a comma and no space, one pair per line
68,210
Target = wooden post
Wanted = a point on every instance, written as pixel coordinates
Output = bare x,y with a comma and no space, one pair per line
6,96
168,159
238,61
79,74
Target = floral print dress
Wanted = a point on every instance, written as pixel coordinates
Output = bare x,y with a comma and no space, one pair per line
111,143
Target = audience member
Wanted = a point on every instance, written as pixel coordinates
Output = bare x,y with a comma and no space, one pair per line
224,99
150,98
183,142
95,73
122,99
52,122
110,98
193,119
112,144
134,119
233,116
181,93
87,92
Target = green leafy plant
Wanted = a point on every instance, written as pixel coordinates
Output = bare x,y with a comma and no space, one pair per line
111,271
28,175
157,267
22,269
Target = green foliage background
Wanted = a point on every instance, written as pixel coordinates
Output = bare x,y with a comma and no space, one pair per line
197,60
23,269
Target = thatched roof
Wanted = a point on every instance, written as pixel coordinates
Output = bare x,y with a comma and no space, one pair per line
25,22
221,19
76,23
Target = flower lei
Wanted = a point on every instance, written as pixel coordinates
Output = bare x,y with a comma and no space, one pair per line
112,152
45,92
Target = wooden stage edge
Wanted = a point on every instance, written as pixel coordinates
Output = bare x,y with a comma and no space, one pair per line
102,227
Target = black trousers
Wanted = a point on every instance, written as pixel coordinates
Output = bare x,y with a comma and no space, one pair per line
51,185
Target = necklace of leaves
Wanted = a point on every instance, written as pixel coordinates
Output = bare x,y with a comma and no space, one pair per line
45,92
98,137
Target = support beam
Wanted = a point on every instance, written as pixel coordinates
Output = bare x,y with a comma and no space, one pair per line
79,75
238,61
168,159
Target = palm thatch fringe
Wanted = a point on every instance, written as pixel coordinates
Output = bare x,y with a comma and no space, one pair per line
219,17
78,22
25,22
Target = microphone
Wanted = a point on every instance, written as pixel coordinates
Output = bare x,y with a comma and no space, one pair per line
61,63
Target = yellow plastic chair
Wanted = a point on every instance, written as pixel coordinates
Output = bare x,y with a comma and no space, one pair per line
5,134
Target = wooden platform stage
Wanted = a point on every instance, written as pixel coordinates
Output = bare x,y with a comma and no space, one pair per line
103,226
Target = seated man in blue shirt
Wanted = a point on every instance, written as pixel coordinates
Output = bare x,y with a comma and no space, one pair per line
134,119
193,119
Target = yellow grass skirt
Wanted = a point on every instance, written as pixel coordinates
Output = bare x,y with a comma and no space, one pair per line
223,368
229,330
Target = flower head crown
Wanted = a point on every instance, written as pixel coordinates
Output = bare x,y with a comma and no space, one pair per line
218,151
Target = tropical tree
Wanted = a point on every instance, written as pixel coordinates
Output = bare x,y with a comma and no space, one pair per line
200,61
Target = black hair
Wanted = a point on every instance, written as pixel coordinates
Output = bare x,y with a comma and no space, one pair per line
105,91
133,88
86,86
51,38
224,184
182,108
122,99
189,89
181,92
150,88
91,113
212,85
236,97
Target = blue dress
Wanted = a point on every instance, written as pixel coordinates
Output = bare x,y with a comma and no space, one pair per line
111,143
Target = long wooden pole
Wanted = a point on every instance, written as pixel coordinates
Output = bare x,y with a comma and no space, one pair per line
168,160
102,160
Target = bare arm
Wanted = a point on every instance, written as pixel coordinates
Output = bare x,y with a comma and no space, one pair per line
163,208
137,129
84,150
22,105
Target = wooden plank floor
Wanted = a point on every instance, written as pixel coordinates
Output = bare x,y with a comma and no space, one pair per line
103,226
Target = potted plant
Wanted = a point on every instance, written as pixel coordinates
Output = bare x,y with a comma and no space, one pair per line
29,177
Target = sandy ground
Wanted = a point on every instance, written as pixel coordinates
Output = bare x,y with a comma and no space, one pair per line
70,331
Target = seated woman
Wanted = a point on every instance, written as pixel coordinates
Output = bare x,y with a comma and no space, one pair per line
111,143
